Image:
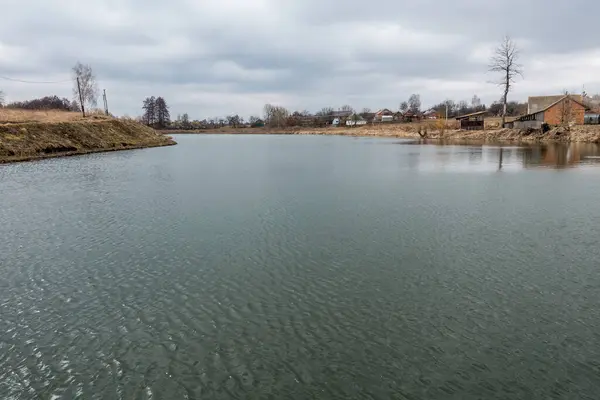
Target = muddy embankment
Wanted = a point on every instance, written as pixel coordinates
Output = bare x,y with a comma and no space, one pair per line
584,133
21,141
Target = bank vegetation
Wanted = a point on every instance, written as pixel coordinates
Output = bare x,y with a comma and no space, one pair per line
36,134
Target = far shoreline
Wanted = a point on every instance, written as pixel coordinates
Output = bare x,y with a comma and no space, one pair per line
579,133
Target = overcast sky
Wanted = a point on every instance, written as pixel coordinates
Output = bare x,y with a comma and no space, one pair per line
216,57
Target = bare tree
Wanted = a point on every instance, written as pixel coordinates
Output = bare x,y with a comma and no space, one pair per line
505,62
347,107
475,101
355,117
566,110
404,106
234,120
2,98
414,103
325,111
185,121
366,110
275,115
87,84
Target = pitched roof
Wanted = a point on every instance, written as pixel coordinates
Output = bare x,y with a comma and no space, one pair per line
472,114
382,111
576,99
560,98
541,103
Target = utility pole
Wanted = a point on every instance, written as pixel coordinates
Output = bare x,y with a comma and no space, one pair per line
80,98
105,102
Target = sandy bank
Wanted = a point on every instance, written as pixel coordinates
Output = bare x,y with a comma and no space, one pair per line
21,141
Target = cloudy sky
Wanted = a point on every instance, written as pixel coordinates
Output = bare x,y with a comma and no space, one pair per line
216,57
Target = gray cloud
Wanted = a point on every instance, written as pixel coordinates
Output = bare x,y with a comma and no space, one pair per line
215,57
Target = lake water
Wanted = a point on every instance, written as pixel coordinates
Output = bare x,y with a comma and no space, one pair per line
302,267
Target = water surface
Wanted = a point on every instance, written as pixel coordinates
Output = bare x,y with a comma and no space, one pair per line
295,267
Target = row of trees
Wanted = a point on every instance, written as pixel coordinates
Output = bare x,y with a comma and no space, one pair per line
156,112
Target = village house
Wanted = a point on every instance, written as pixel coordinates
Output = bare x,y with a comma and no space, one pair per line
338,117
384,115
553,111
411,116
431,114
369,116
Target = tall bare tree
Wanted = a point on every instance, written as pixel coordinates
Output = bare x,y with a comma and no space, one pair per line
1,98
566,110
505,62
347,107
404,106
87,84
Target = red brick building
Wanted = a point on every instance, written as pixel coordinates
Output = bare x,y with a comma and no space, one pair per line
552,110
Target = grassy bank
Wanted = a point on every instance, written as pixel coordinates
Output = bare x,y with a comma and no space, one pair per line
35,135
430,130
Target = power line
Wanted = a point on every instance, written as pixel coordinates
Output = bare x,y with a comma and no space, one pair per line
22,81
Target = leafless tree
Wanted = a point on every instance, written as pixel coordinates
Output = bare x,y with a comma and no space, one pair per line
325,111
275,115
404,106
366,110
234,120
414,103
347,107
566,110
87,85
1,98
505,62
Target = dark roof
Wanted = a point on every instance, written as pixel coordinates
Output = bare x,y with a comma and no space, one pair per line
471,115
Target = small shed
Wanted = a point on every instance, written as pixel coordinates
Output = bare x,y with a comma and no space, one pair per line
472,122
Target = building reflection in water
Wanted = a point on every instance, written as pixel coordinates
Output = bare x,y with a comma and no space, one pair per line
560,155
487,156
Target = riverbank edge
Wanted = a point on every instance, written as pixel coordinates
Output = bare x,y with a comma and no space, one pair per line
17,159
33,141
580,134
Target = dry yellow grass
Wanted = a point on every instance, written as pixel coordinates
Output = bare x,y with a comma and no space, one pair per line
27,135
10,115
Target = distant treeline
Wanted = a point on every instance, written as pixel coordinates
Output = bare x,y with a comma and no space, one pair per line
46,103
